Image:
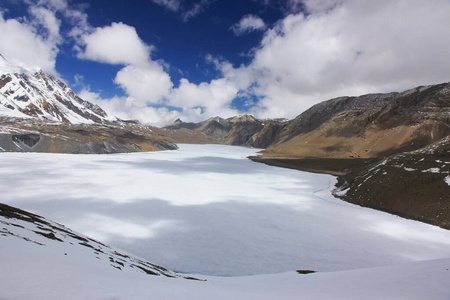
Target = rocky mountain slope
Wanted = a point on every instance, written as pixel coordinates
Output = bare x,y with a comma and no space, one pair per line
368,126
415,184
39,113
244,130
26,94
32,135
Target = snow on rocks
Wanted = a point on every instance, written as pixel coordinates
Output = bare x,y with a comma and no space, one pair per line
34,94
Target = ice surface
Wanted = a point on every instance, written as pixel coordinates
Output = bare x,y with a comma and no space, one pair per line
206,209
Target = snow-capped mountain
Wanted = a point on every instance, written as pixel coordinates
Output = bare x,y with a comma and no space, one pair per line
28,94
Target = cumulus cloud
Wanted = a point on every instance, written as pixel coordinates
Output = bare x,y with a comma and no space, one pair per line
33,41
248,23
115,44
128,108
214,97
23,45
141,78
147,82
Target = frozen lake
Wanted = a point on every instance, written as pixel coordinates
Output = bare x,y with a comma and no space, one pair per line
206,209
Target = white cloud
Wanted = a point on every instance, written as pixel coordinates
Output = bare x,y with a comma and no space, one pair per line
214,98
196,9
22,45
147,82
248,23
33,41
141,78
317,6
187,11
128,108
216,93
48,20
115,44
58,5
173,5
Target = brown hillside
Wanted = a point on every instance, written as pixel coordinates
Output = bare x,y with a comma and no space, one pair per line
367,126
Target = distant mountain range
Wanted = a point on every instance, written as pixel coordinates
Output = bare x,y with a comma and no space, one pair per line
368,126
244,130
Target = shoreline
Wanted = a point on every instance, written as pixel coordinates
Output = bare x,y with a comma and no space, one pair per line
405,186
331,166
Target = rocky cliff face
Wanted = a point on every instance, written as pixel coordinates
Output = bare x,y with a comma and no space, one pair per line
368,126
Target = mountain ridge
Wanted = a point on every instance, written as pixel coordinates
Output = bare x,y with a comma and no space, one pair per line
372,125
36,94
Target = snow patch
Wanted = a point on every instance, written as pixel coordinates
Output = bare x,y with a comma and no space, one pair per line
409,169
432,170
447,180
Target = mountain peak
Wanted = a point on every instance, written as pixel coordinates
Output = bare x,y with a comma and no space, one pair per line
242,118
38,95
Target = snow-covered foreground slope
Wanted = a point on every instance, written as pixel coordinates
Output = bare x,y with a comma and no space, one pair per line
43,268
41,259
209,210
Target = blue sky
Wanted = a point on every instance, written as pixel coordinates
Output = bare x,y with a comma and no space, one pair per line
158,60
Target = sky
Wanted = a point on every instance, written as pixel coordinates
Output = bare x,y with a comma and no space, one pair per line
159,60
